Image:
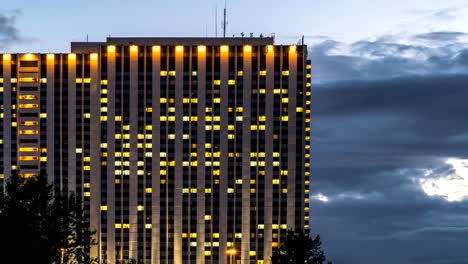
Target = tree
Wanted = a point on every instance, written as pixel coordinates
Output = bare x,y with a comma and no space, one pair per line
39,227
299,247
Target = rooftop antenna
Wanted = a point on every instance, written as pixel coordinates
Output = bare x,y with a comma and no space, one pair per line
87,38
224,20
216,20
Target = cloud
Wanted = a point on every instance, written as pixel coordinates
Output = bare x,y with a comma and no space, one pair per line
386,114
390,57
9,33
444,36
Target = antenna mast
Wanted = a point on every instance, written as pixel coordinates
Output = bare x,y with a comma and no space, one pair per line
224,21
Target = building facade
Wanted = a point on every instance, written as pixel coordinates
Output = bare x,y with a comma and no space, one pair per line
182,149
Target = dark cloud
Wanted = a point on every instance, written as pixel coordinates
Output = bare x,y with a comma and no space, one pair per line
441,36
9,32
384,114
385,57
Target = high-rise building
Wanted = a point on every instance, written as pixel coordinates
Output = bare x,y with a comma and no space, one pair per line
182,149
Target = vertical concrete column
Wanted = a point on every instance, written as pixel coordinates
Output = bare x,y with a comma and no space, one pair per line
179,86
292,93
111,50
51,117
95,138
7,115
268,211
201,93
71,123
246,116
223,179
156,218
133,243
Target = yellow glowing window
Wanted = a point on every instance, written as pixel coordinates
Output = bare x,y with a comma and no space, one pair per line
308,84
163,73
217,82
262,73
230,190
275,226
172,73
239,118
140,208
284,118
148,226
253,127
43,80
231,136
104,100
28,132
193,235
87,194
231,82
87,80
285,100
284,190
224,48
43,115
208,190
28,158
103,207
252,253
285,73
126,226
292,48
28,79
28,149
104,109
118,226
103,118
27,97
299,109
207,253
240,73
14,80
93,56
171,118
28,106
207,217
29,123
201,48
238,235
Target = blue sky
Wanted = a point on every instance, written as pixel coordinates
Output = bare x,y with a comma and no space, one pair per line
50,25
389,131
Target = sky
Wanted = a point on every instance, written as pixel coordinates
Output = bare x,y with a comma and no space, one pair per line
389,112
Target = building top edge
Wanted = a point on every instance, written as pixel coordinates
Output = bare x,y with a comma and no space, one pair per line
124,41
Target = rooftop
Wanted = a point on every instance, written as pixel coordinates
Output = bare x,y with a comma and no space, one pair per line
80,47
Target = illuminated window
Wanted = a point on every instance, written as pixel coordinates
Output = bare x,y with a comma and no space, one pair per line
28,132
103,207
28,106
285,73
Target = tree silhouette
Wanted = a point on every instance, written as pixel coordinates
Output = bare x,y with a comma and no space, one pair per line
39,227
299,247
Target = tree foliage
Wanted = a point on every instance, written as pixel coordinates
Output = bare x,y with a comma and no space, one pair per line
299,247
39,227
